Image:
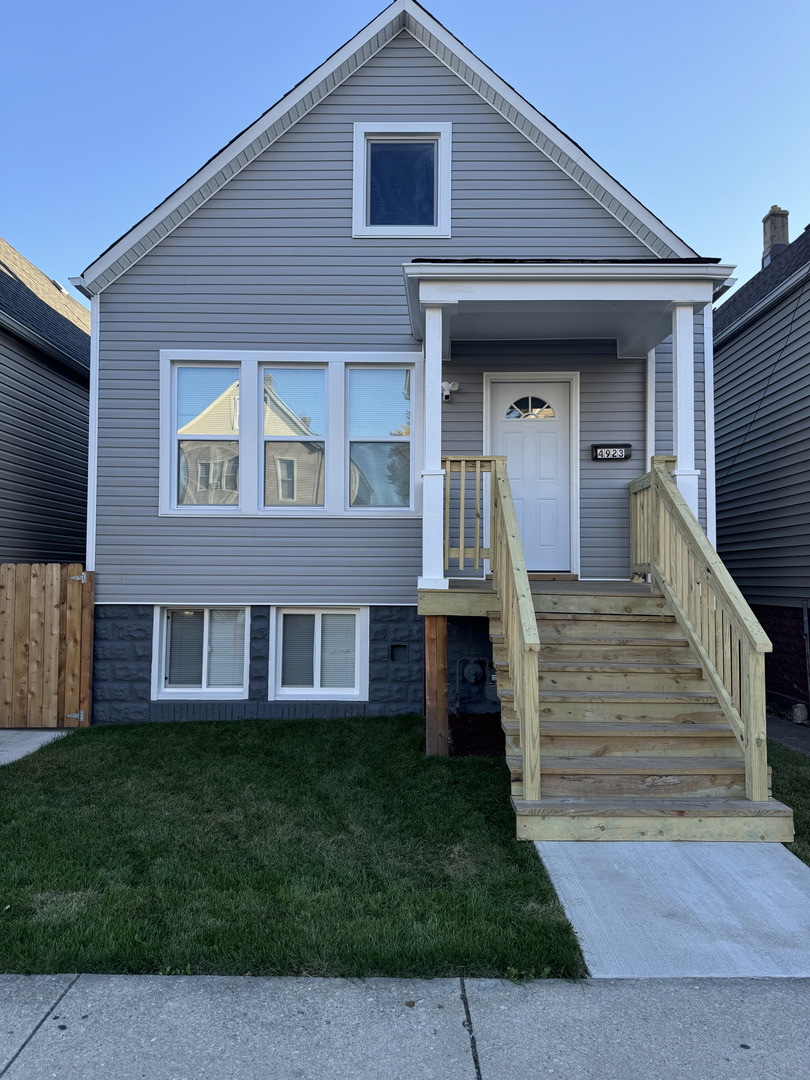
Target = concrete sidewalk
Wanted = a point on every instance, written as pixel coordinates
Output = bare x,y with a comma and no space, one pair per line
117,1027
17,742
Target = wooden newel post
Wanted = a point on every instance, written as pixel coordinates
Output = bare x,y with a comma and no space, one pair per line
436,722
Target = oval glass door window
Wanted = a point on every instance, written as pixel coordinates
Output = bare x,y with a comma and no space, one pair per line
529,408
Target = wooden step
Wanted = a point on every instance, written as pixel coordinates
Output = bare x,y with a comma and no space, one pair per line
588,604
675,777
572,739
729,819
600,652
641,707
680,678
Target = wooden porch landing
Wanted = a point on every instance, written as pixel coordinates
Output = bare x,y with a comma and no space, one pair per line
477,597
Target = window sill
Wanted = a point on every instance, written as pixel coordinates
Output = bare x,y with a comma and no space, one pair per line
201,695
283,512
400,232
316,695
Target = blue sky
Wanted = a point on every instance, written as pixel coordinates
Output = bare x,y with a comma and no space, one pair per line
699,108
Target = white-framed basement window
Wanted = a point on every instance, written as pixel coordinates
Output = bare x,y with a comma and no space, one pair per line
401,179
290,434
319,653
200,652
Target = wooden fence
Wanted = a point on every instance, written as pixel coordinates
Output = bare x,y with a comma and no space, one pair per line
46,645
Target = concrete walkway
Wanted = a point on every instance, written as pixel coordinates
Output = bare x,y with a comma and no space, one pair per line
680,910
16,743
116,1027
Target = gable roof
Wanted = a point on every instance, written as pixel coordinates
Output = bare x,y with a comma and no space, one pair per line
35,308
754,293
401,15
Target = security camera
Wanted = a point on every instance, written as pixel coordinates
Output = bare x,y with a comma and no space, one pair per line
447,389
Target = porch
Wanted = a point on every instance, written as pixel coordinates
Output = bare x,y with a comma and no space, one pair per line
632,710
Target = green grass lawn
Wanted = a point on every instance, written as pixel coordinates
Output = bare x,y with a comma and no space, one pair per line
791,785
266,847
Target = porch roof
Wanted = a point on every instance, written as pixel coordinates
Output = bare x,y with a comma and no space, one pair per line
501,299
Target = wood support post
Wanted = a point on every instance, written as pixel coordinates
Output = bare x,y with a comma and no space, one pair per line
436,723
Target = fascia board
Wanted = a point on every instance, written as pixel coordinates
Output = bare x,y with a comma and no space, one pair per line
566,271
762,305
438,293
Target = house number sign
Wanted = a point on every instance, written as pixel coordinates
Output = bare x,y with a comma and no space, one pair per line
610,451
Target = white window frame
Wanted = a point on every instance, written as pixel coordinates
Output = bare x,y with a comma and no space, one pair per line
265,439
302,693
251,435
160,641
366,132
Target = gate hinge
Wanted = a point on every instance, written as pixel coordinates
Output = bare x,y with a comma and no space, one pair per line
82,577
76,716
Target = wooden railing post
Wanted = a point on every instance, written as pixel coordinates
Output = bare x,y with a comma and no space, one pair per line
756,754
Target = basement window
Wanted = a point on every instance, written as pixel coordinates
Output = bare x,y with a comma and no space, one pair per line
321,654
200,652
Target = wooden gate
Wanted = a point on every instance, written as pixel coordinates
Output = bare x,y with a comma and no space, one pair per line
46,645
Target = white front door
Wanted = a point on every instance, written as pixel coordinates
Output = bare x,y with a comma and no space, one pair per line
531,425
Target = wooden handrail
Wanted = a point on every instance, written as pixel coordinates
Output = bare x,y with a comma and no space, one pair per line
511,583
668,543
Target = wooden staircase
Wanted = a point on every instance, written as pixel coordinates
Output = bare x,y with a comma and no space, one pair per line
632,711
634,744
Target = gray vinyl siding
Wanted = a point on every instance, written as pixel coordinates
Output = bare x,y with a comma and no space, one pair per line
270,262
612,407
762,386
663,408
43,457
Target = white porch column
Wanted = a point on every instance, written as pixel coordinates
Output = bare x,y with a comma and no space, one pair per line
650,425
432,473
683,403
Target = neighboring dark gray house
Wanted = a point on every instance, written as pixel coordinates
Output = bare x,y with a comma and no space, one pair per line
400,209
44,378
762,349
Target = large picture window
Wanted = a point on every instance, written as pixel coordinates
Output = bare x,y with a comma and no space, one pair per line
200,651
289,434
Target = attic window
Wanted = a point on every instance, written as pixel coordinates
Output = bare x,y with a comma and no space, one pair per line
401,180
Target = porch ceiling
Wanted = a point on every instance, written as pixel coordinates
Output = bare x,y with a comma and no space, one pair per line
630,304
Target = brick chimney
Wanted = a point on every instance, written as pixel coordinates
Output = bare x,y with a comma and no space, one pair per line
774,234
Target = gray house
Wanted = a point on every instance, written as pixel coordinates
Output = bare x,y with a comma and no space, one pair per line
44,377
370,389
762,343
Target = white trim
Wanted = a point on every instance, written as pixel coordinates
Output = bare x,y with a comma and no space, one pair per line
305,693
432,473
92,439
250,362
159,692
649,434
572,377
425,129
683,403
293,356
708,374
402,14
